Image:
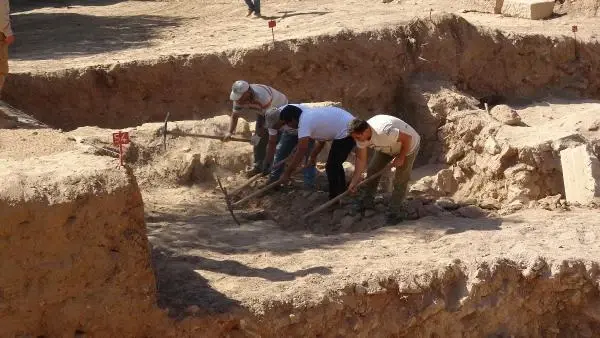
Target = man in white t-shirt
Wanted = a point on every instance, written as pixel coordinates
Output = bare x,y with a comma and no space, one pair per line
393,140
259,99
321,124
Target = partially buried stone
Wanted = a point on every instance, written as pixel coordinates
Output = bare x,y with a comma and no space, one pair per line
471,211
446,203
347,222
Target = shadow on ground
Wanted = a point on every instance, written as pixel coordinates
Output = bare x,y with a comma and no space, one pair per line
65,35
217,232
17,6
289,14
181,285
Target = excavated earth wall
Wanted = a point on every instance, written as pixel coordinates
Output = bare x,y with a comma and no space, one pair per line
73,249
73,246
325,68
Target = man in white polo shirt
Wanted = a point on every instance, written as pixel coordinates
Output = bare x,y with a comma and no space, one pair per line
259,99
321,124
393,140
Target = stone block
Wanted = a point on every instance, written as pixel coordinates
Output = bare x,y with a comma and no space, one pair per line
581,174
528,9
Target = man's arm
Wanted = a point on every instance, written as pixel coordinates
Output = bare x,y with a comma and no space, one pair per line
232,125
312,161
359,167
406,141
301,149
270,150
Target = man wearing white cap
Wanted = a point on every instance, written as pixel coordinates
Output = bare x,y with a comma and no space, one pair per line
259,99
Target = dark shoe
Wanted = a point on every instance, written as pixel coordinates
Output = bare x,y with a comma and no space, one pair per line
252,172
393,218
257,14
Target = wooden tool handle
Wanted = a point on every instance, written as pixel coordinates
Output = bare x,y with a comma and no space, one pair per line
340,196
214,137
247,183
256,193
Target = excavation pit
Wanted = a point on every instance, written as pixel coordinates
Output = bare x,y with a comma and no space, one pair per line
491,248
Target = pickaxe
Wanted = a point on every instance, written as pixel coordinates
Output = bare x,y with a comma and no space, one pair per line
227,201
340,196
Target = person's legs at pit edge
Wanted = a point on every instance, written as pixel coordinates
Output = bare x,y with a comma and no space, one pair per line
340,149
257,7
250,5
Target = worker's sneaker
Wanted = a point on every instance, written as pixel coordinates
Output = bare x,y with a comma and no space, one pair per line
250,11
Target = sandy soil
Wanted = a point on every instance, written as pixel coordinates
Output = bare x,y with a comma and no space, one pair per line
26,143
258,263
200,256
111,31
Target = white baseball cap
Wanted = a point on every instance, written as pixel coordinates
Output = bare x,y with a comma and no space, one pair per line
238,89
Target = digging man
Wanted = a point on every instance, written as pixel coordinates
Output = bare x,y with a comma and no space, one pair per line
321,124
393,141
259,99
282,141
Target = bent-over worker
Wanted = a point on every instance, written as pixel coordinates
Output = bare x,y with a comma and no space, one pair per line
282,141
321,124
393,140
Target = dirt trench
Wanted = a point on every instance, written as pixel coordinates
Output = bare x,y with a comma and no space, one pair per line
369,283
324,68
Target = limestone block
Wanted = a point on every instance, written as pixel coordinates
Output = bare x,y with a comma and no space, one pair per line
581,174
528,9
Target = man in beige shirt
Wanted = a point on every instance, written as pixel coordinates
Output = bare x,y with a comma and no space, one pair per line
6,38
393,141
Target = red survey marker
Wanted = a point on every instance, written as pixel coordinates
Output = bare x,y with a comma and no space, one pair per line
119,139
